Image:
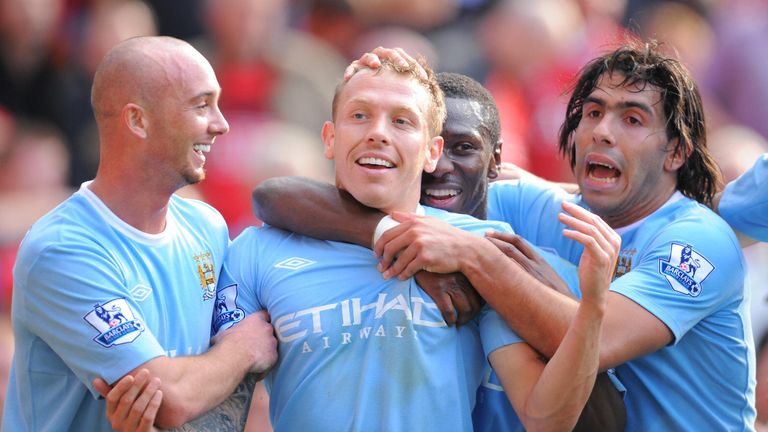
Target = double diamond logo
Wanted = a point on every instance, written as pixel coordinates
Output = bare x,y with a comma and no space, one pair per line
294,263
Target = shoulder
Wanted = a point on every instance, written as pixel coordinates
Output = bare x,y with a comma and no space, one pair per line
197,211
466,222
528,189
691,235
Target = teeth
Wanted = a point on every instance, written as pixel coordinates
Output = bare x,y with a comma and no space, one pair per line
375,161
441,192
602,165
205,148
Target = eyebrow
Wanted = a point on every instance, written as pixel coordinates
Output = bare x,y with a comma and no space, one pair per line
622,105
203,95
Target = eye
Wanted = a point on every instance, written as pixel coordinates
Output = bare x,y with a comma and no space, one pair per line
202,106
635,121
402,121
358,116
593,113
463,147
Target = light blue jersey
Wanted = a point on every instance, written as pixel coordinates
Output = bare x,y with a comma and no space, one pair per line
744,203
356,352
684,265
95,297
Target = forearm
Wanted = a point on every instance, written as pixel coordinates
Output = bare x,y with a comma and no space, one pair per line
193,385
315,209
536,313
230,415
562,390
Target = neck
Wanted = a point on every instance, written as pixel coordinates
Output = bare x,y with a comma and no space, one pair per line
631,213
138,203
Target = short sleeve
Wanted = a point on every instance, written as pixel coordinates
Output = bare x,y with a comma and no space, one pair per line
237,291
494,331
744,203
76,301
688,272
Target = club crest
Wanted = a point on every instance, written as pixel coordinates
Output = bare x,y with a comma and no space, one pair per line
686,269
115,322
226,313
624,263
207,274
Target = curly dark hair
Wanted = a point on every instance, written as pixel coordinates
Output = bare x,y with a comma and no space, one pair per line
644,64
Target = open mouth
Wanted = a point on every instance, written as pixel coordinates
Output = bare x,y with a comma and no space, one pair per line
445,198
441,194
602,172
375,163
201,148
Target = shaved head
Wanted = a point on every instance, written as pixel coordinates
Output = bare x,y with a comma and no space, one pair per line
139,70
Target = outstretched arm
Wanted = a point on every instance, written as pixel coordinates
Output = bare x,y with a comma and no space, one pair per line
315,209
551,395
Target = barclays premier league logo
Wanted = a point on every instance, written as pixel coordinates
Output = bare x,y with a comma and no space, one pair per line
115,322
685,270
227,313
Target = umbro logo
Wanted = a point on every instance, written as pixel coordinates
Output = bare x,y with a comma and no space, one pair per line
294,263
140,292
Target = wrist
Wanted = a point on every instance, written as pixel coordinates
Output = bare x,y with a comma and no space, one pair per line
386,223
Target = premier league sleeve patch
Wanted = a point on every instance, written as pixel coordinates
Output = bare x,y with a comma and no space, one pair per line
226,313
686,269
115,321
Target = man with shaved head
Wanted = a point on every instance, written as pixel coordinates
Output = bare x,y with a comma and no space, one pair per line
120,279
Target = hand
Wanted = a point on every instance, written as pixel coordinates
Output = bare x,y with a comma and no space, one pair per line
420,243
255,334
372,60
133,402
456,298
601,251
516,248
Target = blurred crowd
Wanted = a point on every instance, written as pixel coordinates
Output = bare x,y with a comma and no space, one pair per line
278,62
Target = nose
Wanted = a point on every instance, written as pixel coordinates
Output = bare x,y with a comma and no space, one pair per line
218,125
603,132
377,132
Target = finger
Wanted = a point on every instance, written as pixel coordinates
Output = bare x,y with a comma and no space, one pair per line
148,419
525,248
505,237
393,244
351,69
590,244
510,251
101,386
589,217
405,259
462,305
411,269
584,228
137,409
117,391
126,400
386,237
395,55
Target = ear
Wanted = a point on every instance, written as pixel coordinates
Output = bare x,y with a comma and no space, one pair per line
329,137
495,164
135,118
434,152
675,158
